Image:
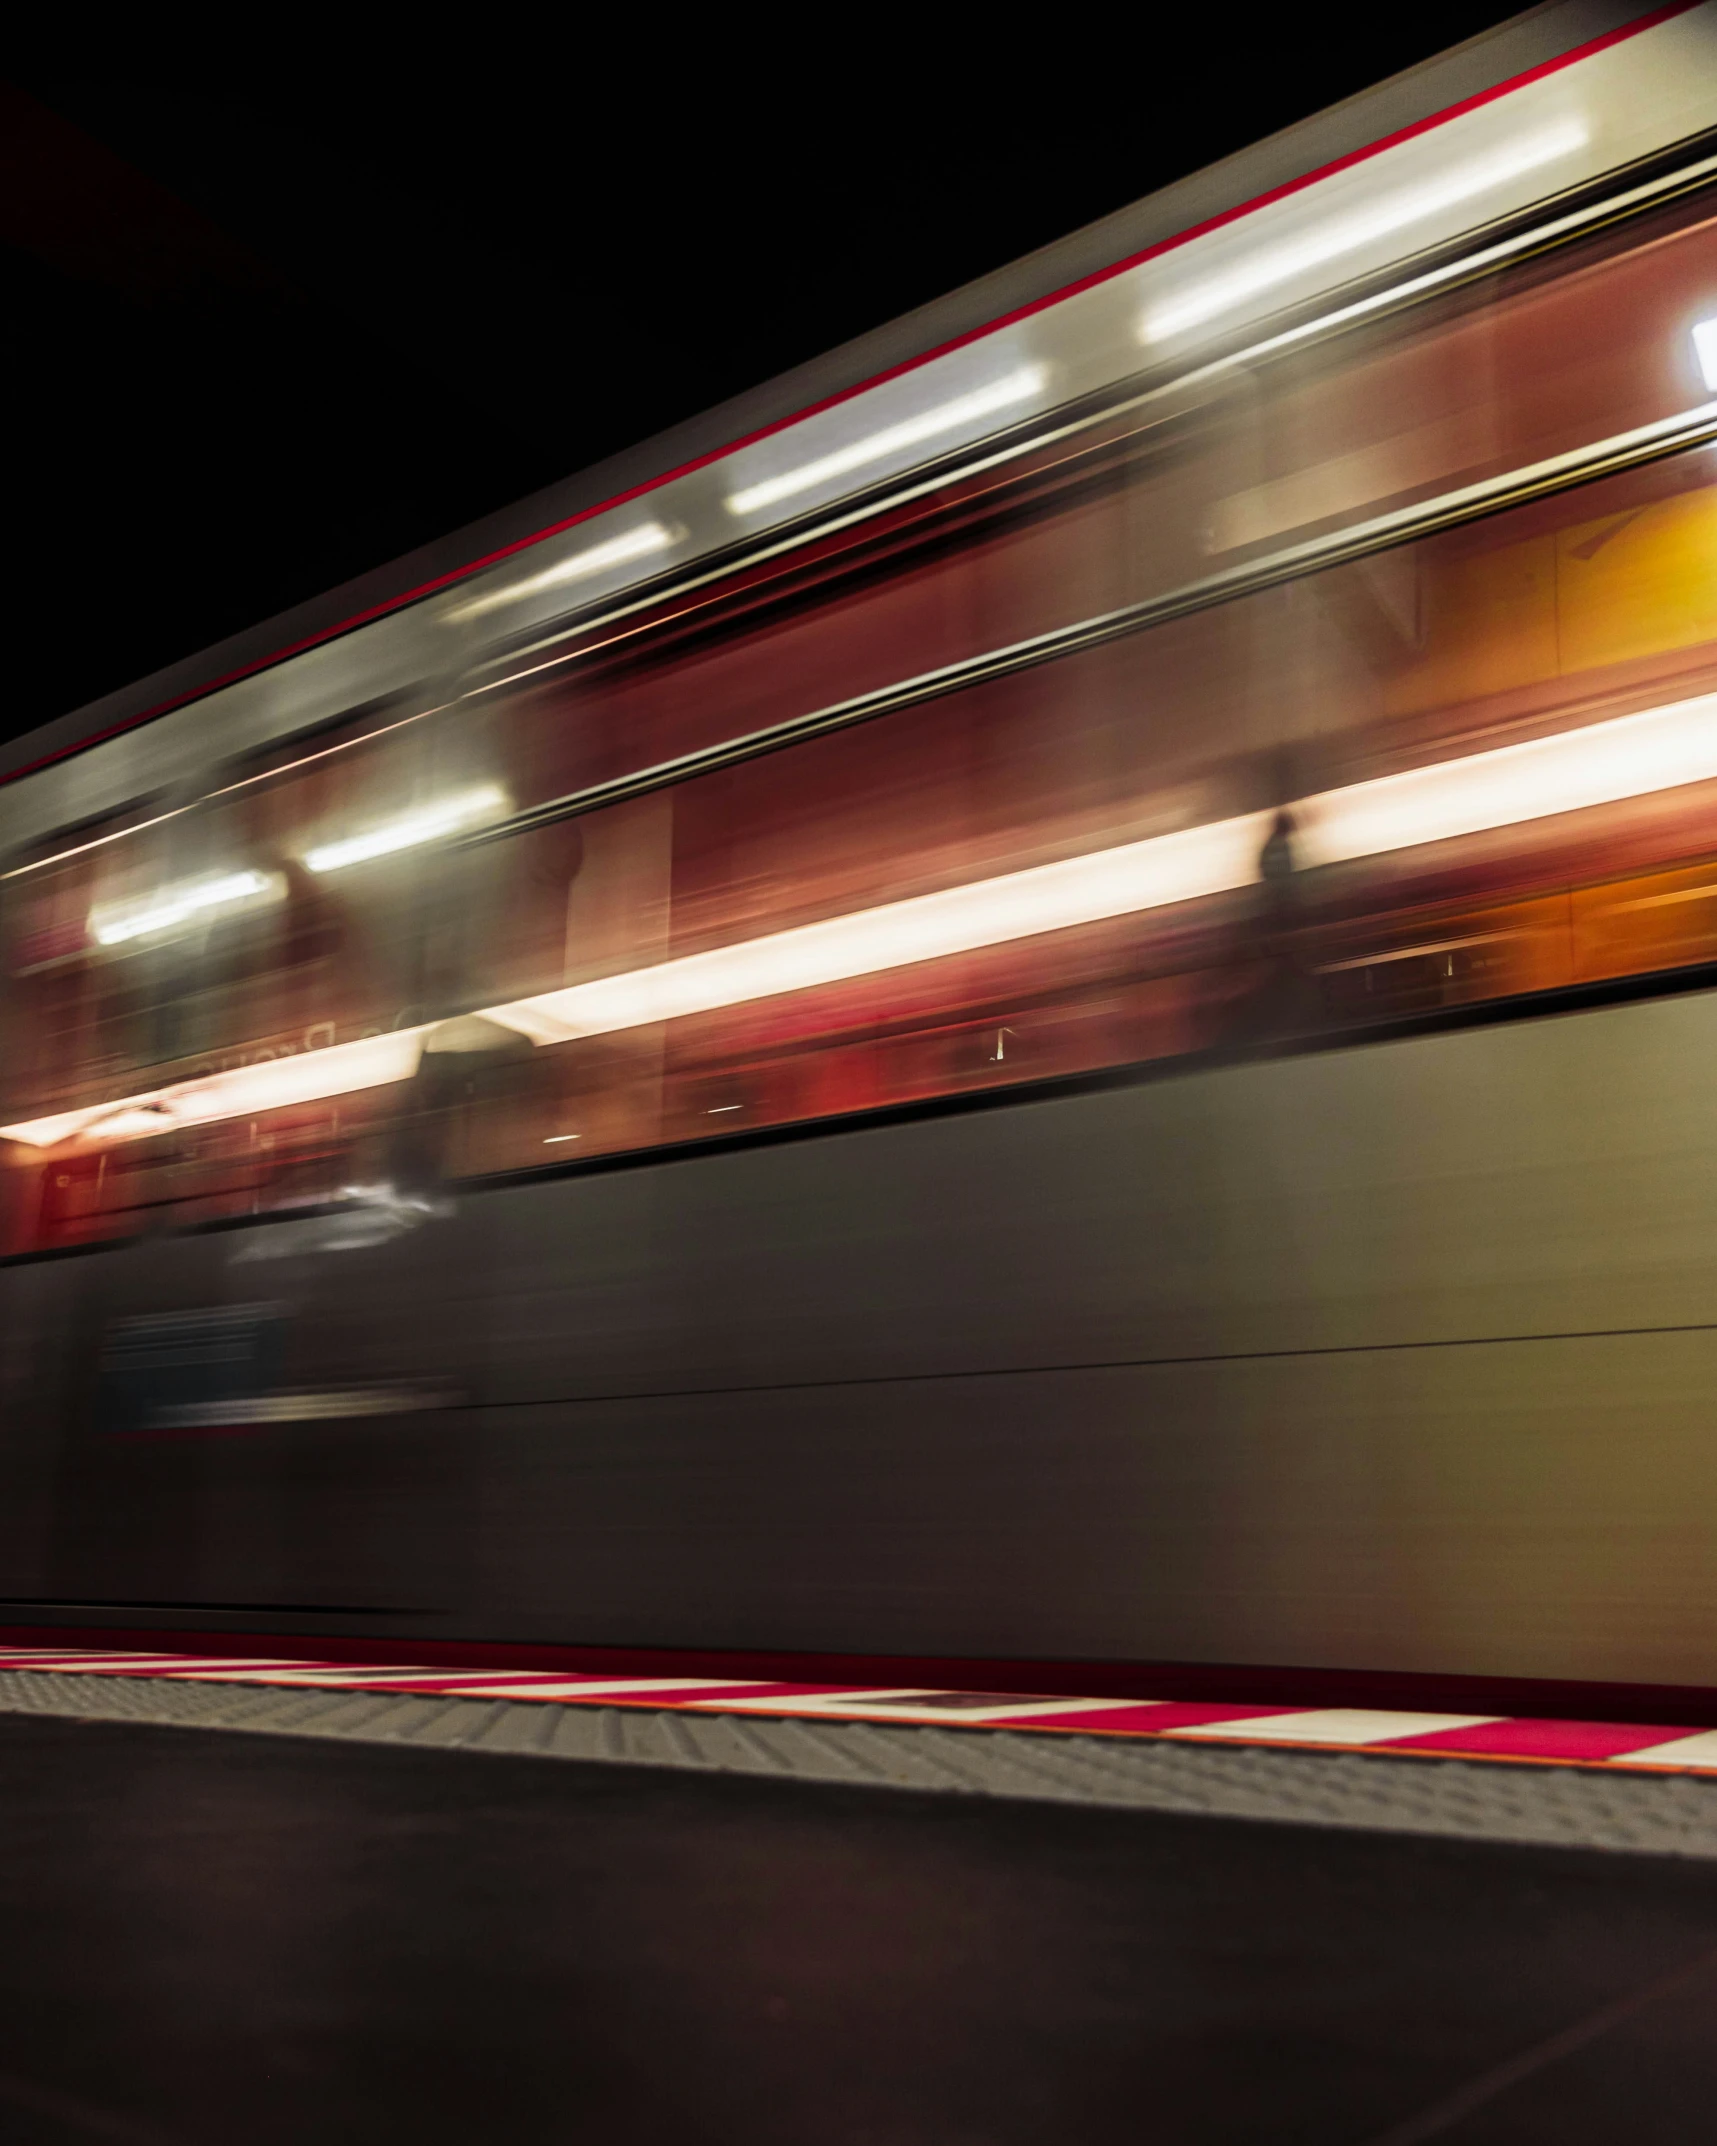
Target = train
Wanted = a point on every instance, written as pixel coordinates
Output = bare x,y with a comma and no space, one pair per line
1043,999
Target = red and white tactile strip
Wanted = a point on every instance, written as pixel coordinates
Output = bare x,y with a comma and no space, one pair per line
1483,1736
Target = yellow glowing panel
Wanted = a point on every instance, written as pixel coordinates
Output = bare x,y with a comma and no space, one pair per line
1635,584
1487,624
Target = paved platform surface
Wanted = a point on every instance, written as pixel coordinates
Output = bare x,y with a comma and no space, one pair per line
1600,1806
1656,1747
208,1938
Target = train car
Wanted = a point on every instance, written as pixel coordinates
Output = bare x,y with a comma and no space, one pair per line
1039,999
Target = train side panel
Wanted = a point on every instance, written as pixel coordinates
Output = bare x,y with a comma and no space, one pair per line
1391,1357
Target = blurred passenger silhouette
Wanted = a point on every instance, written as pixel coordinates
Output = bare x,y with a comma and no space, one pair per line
1281,998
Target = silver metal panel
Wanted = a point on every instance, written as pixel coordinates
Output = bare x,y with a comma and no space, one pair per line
1399,1357
1540,1177
1533,1509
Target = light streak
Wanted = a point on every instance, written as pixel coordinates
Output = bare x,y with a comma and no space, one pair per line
445,817
926,927
1020,386
1599,764
1705,350
639,543
239,1092
1267,270
177,905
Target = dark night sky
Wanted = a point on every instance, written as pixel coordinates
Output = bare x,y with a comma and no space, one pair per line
271,330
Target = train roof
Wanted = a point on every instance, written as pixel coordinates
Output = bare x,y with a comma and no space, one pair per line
338,644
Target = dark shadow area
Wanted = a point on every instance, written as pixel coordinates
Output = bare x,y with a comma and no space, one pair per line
208,1938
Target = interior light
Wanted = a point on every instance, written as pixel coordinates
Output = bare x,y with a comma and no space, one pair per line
177,905
1599,764
239,1092
927,927
135,1121
445,816
1705,350
638,543
1015,387
1222,293
1631,756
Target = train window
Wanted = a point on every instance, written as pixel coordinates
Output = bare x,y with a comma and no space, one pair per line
1163,497
1088,761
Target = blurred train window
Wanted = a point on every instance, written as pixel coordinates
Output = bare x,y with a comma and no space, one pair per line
1548,358
1142,775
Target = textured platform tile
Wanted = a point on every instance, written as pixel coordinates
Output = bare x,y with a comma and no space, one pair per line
1470,1736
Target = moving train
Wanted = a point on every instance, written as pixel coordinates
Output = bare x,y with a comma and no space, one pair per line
1042,999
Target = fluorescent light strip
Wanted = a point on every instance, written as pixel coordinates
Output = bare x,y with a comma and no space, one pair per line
640,543
161,912
445,817
1705,350
1266,271
1601,763
240,1092
1629,756
1016,387
928,927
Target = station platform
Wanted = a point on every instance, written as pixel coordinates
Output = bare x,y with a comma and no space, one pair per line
1472,1736
1625,1786
382,1914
